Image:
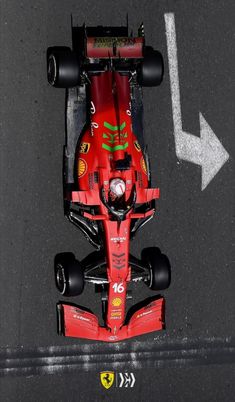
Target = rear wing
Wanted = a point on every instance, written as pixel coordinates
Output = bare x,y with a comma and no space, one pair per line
107,42
113,47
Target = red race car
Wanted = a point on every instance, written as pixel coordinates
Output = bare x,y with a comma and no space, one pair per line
107,185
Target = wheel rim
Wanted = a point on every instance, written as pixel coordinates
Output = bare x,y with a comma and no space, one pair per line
151,276
60,279
51,73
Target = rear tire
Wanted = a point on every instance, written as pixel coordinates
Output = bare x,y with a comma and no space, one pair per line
151,70
159,268
63,70
69,275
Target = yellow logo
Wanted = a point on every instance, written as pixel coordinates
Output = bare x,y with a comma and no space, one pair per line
82,167
117,302
116,314
84,147
137,146
143,165
107,378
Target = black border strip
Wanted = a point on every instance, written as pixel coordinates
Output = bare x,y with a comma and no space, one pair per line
136,355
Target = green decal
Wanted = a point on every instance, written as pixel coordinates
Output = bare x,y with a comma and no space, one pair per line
116,147
115,128
113,138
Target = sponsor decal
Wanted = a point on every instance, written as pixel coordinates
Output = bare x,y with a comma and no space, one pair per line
143,165
92,108
137,146
110,41
123,380
115,128
82,167
139,179
144,313
91,181
96,177
128,111
84,147
107,379
118,239
94,125
116,136
116,314
116,302
126,380
113,337
79,317
116,148
111,138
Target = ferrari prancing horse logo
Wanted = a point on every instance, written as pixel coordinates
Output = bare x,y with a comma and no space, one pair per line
122,380
107,379
137,146
84,147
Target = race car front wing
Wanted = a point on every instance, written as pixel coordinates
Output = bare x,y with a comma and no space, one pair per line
76,322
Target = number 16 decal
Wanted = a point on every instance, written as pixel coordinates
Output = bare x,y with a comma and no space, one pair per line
118,287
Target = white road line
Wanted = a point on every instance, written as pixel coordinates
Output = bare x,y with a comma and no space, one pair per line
206,150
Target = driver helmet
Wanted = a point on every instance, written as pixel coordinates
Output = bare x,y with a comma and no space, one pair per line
117,187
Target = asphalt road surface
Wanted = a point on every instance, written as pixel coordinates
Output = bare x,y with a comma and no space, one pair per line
194,358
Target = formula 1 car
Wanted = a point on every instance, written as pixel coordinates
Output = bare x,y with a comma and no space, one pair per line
107,184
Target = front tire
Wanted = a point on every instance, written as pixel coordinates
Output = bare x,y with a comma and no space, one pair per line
159,268
69,275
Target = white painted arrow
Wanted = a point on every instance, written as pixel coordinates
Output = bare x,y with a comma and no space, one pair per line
133,380
206,150
122,380
127,380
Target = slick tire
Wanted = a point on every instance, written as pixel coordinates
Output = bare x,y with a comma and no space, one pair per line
69,275
159,268
63,69
151,70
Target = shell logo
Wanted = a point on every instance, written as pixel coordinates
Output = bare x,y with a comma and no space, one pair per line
117,302
143,165
82,167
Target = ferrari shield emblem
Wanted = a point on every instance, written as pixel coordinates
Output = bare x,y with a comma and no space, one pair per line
137,146
107,379
84,147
